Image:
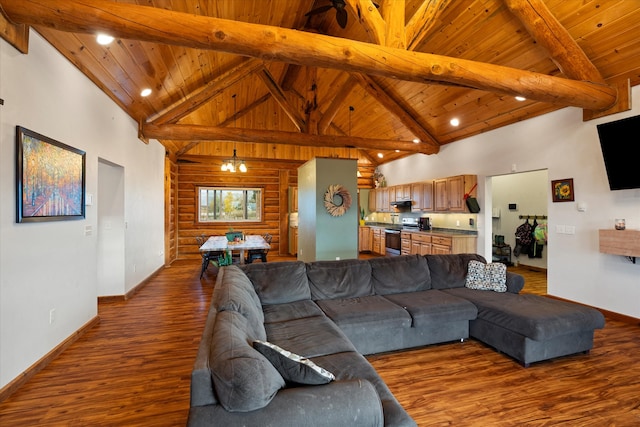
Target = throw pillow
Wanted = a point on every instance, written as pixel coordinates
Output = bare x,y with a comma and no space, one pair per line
292,367
487,277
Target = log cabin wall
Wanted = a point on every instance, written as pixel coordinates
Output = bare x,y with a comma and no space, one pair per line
170,211
274,177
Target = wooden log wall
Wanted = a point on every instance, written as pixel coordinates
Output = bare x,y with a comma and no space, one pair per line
274,177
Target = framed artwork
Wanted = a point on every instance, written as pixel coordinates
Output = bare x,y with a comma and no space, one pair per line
562,190
50,179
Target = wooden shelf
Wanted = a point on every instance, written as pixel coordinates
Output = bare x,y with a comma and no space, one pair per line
620,242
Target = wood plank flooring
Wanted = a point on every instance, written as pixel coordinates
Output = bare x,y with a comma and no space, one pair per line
133,369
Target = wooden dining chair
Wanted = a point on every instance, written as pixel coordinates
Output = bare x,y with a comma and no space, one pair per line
207,257
260,254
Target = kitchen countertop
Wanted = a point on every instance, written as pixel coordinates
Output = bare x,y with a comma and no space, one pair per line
434,230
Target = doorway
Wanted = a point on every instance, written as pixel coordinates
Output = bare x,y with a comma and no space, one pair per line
517,198
111,229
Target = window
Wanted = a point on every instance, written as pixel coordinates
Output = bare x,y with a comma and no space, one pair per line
217,204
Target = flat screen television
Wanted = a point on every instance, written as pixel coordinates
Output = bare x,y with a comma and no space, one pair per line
620,143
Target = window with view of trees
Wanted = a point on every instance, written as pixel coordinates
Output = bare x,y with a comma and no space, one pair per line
218,204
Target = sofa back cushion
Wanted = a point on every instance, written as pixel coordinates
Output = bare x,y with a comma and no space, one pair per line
450,271
234,292
279,282
244,380
407,273
339,279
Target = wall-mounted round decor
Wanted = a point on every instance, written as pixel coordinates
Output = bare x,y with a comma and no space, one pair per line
337,200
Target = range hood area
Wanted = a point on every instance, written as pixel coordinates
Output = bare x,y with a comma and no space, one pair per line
401,203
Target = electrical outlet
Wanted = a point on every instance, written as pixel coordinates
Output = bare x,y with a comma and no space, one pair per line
52,316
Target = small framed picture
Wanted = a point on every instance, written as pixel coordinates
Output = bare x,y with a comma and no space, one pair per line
562,190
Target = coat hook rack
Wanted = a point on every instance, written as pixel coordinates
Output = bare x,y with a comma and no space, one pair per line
533,216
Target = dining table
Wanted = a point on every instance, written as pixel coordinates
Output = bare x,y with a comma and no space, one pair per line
222,244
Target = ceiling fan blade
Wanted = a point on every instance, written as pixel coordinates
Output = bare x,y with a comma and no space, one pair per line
320,9
341,17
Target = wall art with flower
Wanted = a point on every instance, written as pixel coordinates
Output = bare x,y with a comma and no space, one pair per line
562,190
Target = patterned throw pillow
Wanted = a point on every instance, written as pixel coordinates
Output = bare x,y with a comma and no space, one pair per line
292,367
487,277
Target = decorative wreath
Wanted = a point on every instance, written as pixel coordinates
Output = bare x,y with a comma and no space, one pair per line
345,200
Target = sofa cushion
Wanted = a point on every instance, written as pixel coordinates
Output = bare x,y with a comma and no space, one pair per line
434,306
339,279
450,271
486,277
534,316
309,337
290,311
244,379
293,368
234,292
369,310
407,273
279,282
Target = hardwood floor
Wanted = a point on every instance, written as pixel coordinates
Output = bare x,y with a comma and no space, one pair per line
133,369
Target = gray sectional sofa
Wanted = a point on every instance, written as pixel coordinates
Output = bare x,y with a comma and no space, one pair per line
332,313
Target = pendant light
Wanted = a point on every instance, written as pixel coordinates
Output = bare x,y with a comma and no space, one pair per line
234,163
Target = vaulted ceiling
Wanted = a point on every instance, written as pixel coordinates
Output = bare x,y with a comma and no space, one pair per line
282,78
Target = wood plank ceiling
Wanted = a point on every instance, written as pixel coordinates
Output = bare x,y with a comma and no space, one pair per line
300,97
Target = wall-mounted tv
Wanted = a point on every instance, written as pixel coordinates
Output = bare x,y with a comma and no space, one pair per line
620,143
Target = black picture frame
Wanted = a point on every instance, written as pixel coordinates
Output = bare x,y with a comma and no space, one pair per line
50,179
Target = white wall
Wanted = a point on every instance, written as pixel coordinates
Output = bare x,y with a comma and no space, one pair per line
53,265
568,148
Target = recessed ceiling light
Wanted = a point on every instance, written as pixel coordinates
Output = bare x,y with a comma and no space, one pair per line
416,141
454,122
145,92
380,155
397,151
104,39
520,98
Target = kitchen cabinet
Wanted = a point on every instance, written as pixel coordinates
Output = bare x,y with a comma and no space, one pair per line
422,196
378,240
449,192
382,200
421,244
405,243
402,192
373,207
364,239
293,199
293,240
441,245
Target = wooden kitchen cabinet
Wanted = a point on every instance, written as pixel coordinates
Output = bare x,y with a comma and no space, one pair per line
293,199
449,192
405,243
421,244
402,192
382,200
293,240
378,240
373,207
364,239
422,196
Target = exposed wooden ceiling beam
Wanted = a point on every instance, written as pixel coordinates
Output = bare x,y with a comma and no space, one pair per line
214,133
229,120
393,15
422,21
370,19
278,94
393,106
555,39
286,45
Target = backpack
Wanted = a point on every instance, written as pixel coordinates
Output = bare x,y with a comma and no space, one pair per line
524,234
